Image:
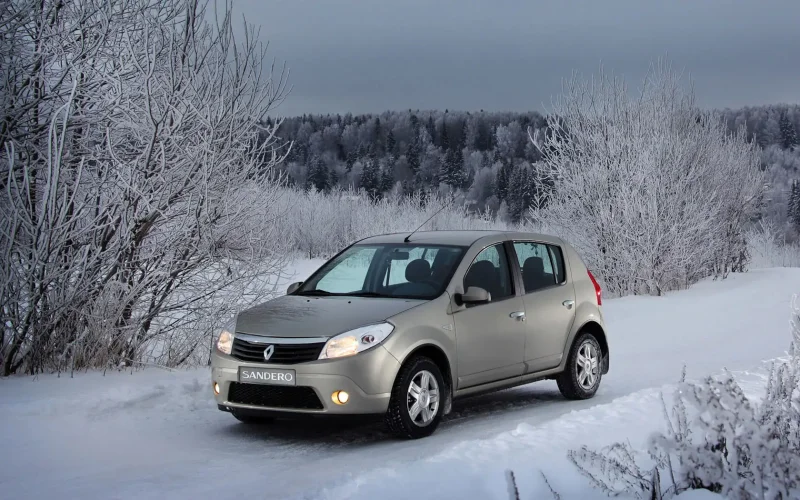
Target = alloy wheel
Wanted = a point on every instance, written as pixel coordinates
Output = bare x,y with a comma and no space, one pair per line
422,398
588,365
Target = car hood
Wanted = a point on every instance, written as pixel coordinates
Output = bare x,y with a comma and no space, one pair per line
299,316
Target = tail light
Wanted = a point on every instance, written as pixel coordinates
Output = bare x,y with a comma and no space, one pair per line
597,290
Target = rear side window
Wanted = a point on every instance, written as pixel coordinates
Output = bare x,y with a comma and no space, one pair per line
541,265
490,271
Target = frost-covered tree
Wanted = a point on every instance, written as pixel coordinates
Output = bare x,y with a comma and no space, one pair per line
452,169
521,190
788,132
412,154
386,177
794,205
653,191
391,143
501,180
138,189
371,177
318,175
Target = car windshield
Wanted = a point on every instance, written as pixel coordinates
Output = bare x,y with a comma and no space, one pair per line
386,270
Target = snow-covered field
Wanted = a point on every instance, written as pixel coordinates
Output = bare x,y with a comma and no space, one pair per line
158,434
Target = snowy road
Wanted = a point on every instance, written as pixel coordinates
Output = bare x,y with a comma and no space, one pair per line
159,435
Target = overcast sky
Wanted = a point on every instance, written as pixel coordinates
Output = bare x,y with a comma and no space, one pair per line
373,55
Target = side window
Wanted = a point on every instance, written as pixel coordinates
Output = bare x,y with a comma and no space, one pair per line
490,271
349,275
557,258
536,265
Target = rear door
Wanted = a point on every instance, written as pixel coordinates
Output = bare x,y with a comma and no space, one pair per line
549,299
490,337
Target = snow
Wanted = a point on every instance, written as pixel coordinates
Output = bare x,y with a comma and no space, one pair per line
158,434
698,495
301,269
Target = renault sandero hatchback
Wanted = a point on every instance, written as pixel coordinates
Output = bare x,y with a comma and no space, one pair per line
401,325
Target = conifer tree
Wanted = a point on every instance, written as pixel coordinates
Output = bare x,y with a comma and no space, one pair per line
794,205
370,177
788,133
390,143
386,180
501,184
318,175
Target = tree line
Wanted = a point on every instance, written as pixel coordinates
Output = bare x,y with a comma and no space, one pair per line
487,159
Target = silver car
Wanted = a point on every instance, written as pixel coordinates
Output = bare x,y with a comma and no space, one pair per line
400,325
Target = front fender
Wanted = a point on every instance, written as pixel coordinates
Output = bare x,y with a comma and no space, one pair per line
426,325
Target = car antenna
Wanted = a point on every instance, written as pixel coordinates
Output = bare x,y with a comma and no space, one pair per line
406,239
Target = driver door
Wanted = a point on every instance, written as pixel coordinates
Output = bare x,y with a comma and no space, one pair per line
490,337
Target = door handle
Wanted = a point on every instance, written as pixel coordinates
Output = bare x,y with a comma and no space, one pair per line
568,303
518,315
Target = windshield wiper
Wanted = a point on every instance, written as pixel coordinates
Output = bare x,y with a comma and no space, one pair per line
325,293
364,294
317,292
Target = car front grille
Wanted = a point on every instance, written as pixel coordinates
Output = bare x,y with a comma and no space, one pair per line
284,354
274,396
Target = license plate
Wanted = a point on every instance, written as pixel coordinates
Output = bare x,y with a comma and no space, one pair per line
269,376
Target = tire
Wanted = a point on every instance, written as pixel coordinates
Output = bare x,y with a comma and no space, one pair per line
399,415
252,419
573,381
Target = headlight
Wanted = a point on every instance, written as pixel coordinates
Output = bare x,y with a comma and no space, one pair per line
225,339
356,341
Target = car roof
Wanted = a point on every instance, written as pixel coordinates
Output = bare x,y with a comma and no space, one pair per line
460,238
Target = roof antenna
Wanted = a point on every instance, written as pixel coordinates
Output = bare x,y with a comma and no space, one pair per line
406,239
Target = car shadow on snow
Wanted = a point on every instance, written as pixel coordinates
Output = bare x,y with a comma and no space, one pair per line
476,411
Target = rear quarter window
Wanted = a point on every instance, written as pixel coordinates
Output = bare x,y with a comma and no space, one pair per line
557,260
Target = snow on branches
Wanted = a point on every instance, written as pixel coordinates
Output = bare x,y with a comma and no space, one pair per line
654,191
137,178
717,439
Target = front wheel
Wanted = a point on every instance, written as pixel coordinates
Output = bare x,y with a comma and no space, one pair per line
415,408
581,377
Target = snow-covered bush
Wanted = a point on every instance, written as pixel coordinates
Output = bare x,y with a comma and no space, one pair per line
319,225
653,191
137,191
768,250
717,439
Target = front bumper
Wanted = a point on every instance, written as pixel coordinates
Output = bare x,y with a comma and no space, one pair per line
367,377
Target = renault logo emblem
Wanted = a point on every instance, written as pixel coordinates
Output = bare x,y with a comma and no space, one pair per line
268,352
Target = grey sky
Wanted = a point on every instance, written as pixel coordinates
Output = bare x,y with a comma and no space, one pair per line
374,55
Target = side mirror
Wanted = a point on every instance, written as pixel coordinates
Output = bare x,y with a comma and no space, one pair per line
475,295
293,287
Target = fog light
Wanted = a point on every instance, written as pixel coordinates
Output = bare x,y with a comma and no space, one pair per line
340,397
216,388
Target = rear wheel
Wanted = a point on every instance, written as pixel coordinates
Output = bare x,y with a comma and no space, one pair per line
415,408
581,377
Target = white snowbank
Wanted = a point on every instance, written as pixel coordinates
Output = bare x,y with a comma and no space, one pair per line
476,468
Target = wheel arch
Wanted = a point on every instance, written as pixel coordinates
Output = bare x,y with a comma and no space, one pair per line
599,333
436,354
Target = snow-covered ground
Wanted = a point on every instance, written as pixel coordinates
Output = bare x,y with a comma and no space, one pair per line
158,434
